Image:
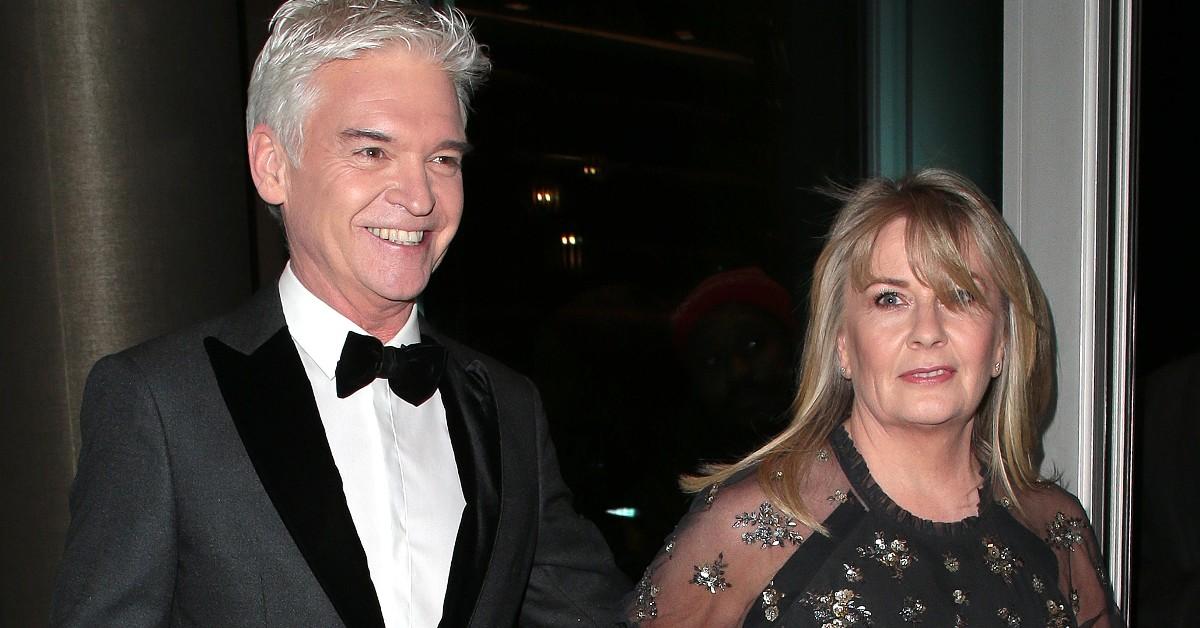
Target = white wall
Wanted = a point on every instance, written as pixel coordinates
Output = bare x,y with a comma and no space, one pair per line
1056,198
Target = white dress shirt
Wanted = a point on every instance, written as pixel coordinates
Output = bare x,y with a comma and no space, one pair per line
396,462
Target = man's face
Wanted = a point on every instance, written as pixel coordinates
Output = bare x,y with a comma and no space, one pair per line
376,196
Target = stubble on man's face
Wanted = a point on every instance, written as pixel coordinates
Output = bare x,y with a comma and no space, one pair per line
377,194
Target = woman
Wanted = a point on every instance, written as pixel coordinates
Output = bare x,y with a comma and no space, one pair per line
905,489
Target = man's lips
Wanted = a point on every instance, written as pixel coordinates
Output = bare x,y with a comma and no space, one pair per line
398,236
928,375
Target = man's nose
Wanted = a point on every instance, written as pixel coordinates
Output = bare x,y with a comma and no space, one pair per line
410,188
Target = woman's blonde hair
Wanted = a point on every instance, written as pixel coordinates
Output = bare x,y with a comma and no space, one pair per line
949,221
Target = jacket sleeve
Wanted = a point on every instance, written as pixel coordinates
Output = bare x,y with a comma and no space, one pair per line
118,568
573,581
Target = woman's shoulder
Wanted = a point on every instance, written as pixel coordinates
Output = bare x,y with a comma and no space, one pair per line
1052,511
722,556
814,485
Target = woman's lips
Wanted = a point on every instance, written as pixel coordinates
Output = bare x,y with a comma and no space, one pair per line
928,375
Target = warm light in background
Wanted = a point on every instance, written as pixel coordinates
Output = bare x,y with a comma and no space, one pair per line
572,250
545,197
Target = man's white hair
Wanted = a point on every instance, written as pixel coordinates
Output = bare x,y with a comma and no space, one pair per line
306,34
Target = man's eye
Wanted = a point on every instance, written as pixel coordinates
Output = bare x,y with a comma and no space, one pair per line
371,152
446,160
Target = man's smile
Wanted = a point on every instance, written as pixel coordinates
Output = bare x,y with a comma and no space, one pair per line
398,236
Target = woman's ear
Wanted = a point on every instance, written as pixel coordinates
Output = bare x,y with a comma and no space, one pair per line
843,355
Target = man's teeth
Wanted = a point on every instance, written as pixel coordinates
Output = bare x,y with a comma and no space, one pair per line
398,236
929,374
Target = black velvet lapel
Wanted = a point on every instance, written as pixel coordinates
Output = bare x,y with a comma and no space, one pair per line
472,418
272,405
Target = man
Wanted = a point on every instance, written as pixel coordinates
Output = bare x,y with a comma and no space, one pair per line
280,466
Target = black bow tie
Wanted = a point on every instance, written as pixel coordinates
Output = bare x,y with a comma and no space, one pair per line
412,371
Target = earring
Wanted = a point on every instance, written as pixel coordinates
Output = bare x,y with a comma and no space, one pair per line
996,369
842,371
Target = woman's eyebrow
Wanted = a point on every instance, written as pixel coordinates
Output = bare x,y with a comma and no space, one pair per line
892,281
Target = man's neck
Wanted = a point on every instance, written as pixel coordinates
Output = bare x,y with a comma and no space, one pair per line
382,319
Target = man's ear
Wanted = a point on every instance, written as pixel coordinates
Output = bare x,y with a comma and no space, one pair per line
268,164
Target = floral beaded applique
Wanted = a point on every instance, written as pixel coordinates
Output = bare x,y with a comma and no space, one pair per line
770,529
770,602
960,597
1056,615
1009,618
837,609
894,555
1000,559
711,576
839,497
711,496
853,572
950,562
1064,532
913,610
1038,585
645,604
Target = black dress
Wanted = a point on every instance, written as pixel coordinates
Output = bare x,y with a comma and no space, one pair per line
737,560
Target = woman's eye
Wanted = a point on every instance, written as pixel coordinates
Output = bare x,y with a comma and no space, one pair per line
963,296
888,298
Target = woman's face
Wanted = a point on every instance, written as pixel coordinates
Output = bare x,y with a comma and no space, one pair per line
912,360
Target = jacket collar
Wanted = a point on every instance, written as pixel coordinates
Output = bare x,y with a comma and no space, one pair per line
266,389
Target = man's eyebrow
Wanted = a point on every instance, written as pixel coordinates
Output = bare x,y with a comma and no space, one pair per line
369,134
455,145
380,136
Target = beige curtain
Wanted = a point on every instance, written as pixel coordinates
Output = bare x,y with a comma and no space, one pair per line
125,214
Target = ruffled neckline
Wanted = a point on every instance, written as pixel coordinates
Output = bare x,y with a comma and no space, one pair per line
872,495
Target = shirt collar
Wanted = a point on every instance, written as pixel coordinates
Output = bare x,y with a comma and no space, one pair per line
319,330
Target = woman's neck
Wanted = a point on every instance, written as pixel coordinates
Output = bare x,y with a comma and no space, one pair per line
930,471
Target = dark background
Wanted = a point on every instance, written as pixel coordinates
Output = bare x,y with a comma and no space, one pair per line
709,126
678,140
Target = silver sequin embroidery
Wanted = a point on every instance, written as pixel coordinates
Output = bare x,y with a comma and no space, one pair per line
712,495
770,527
711,576
1000,559
894,555
1038,585
645,605
770,602
853,573
913,610
1010,618
1056,615
837,609
1064,532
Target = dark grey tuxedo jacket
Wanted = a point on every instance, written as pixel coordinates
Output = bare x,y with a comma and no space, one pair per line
206,495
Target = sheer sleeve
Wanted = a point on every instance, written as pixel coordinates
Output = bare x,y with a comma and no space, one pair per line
1060,521
718,566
